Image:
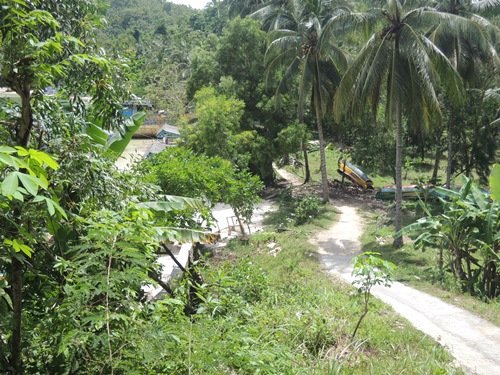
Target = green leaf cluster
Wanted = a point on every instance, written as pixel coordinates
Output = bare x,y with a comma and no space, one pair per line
180,171
467,232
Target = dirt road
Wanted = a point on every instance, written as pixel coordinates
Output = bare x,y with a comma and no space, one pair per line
474,342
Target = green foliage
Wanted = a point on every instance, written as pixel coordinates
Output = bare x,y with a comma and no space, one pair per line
98,200
475,141
117,142
236,73
303,46
294,211
306,209
277,314
179,171
371,270
467,232
158,40
28,207
241,56
400,48
234,289
41,49
24,183
373,149
87,180
104,273
217,129
204,70
291,138
83,236
495,182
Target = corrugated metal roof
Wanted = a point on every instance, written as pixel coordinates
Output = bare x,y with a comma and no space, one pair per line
169,129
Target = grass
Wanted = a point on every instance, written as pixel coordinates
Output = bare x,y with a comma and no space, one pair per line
418,268
415,267
414,170
332,155
269,309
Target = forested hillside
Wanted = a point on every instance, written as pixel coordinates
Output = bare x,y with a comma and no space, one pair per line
408,91
156,38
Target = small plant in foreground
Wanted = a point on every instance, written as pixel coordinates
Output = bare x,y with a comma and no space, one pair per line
370,270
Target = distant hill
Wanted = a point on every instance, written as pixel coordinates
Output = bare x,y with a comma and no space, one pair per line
157,38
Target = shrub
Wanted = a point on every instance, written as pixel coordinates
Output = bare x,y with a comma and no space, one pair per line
307,209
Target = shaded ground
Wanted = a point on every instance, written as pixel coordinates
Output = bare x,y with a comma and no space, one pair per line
474,342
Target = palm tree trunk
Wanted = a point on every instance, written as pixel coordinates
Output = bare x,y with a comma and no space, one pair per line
322,156
435,169
396,108
398,240
451,120
324,177
307,171
437,157
449,166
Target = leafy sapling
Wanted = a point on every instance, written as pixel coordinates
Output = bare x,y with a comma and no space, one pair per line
370,270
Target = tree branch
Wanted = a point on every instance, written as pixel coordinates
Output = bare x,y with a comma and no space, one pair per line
160,282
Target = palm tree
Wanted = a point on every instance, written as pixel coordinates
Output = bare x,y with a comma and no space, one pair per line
401,59
302,43
243,8
467,48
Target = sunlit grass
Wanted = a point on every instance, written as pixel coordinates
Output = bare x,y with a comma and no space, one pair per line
414,170
303,320
418,268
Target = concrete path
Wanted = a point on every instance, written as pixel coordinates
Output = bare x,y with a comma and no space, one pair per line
224,217
223,214
290,177
474,342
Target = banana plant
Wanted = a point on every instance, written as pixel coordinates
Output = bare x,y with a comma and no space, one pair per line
169,203
468,230
116,142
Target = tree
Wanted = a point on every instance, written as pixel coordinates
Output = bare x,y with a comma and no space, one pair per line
233,66
240,55
38,50
243,8
467,47
204,70
292,138
179,171
305,47
401,58
217,130
475,140
24,192
26,56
